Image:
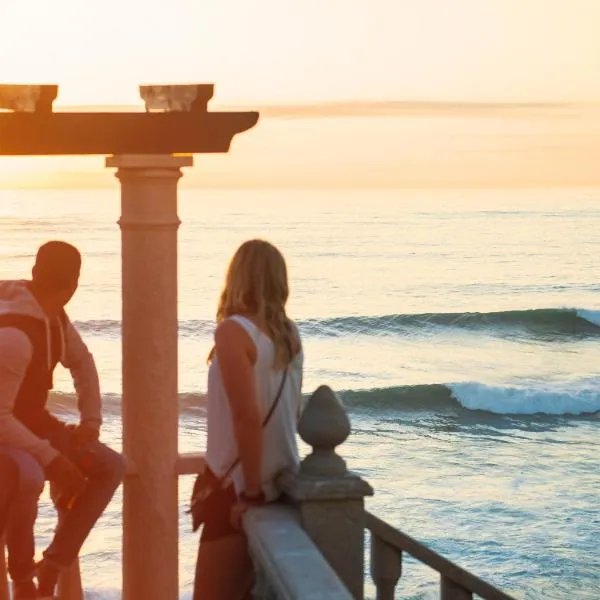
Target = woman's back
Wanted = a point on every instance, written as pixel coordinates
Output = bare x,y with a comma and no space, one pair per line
280,450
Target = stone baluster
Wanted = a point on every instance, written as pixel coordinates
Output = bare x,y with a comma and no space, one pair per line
386,567
452,591
330,499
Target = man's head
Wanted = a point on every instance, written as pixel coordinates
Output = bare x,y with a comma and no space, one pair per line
55,274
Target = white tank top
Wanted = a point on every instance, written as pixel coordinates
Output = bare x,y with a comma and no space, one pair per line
280,450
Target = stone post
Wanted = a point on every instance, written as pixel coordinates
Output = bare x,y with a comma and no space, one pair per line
329,497
149,224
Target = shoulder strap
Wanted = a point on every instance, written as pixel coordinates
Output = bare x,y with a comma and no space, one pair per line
265,422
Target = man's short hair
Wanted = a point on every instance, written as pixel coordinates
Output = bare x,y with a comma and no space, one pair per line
57,265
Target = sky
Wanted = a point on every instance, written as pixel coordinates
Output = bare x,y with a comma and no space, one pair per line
269,53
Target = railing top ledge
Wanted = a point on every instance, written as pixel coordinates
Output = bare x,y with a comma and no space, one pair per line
289,563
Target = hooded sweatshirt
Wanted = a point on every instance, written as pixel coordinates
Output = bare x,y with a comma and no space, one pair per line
16,354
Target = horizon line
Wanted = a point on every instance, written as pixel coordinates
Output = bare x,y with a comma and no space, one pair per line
450,185
355,108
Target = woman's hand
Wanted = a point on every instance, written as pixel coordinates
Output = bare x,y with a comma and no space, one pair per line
237,513
245,502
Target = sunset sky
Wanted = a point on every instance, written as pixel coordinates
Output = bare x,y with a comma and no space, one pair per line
272,52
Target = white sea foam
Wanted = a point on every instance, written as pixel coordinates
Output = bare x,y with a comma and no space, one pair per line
593,316
578,399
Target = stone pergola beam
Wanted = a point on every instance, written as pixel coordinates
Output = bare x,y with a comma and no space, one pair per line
31,134
181,125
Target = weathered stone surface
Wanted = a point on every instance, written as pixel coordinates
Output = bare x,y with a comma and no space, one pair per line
180,98
344,487
27,98
323,425
288,564
386,567
149,225
330,499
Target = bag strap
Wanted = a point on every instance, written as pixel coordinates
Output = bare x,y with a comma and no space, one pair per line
265,422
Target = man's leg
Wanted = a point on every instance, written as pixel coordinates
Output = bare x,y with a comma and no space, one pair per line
104,469
21,519
9,482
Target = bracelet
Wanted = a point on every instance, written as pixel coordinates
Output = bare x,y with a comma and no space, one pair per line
254,499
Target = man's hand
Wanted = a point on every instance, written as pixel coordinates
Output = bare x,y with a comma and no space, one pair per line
66,478
85,434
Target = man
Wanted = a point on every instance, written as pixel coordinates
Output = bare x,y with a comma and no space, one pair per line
36,334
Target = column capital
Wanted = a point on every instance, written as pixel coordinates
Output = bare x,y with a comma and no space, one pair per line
149,161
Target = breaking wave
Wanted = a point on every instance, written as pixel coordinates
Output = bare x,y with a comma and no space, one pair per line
542,322
472,396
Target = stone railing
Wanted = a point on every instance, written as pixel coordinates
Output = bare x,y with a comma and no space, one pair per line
328,503
287,563
387,546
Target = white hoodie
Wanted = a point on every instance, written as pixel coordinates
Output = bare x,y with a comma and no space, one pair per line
16,352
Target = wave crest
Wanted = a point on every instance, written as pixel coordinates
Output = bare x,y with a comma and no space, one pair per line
542,322
582,399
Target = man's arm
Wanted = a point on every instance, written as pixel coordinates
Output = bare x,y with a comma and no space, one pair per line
15,355
80,362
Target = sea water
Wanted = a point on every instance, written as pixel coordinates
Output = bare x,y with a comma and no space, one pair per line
461,329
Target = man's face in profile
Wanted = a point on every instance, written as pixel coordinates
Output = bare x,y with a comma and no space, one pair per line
68,292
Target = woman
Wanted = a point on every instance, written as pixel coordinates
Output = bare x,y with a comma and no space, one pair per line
255,372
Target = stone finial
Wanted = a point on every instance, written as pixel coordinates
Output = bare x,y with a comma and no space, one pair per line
324,425
177,98
28,98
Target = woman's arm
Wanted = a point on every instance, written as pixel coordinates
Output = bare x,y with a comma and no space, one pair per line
236,353
296,349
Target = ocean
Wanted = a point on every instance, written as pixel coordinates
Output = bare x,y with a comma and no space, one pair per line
460,328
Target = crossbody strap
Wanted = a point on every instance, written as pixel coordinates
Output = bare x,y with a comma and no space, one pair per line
265,422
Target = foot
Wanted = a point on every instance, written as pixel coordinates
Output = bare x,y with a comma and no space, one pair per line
47,577
24,590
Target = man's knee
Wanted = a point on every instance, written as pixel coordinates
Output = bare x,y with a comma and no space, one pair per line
31,482
110,463
30,475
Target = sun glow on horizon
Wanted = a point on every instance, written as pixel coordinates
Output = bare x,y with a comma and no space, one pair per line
305,54
460,148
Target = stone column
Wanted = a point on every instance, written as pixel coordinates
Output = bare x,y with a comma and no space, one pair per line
149,224
329,497
4,593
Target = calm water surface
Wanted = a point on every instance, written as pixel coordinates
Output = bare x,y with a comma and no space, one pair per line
461,329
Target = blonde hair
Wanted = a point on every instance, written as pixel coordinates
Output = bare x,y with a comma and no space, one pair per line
256,284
